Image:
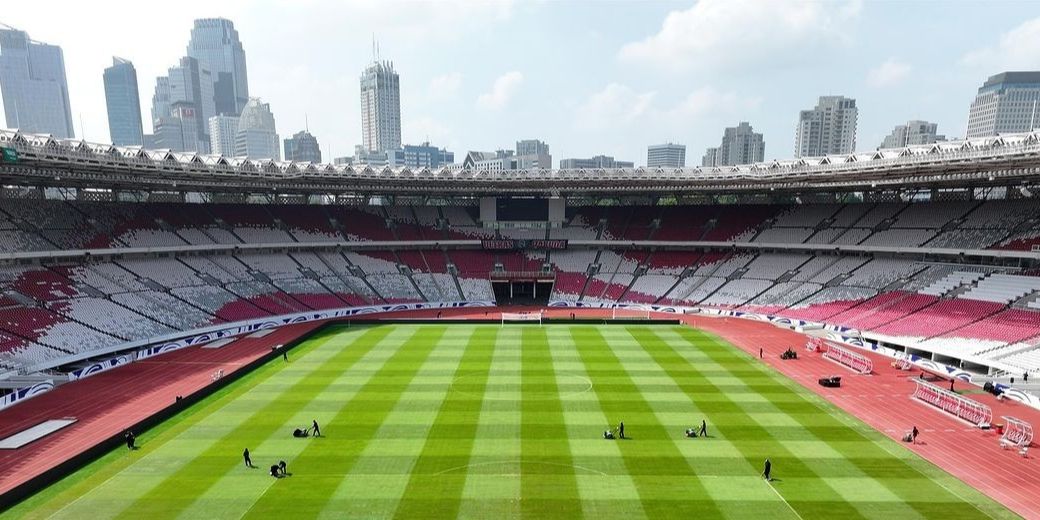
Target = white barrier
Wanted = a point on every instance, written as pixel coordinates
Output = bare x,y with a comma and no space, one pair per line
1017,433
854,361
961,407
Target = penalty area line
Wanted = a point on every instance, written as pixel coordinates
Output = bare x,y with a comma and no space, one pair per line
789,506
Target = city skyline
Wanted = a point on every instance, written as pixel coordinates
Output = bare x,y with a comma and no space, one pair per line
652,87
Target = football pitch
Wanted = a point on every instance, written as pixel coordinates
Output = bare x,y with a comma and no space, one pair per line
489,421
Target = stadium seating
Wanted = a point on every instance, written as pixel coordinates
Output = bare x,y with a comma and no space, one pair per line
53,308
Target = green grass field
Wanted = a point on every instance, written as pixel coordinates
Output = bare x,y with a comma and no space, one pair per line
483,421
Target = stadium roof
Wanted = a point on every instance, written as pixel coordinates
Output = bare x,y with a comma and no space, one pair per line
45,161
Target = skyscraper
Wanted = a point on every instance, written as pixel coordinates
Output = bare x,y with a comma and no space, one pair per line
913,132
380,108
666,156
740,145
257,137
829,128
214,42
302,147
532,153
124,103
184,94
1006,103
33,85
223,130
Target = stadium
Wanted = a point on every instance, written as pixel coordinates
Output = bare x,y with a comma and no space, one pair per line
466,339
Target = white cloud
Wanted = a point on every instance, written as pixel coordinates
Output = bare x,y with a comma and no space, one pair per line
1018,48
707,101
425,128
890,73
620,106
445,85
741,33
615,104
502,91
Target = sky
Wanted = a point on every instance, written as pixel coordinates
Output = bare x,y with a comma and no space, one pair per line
588,77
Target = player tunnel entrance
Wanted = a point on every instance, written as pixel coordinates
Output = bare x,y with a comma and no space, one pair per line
522,288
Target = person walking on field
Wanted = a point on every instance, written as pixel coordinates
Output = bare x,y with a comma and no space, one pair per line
704,428
621,430
913,435
249,461
314,425
767,470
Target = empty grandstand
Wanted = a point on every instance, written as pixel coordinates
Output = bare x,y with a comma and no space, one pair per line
944,269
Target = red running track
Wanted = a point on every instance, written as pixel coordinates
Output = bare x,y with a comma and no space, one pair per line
882,400
105,404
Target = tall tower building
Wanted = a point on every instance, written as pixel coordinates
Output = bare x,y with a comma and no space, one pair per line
184,95
380,108
913,132
666,156
830,128
214,42
223,130
257,137
33,85
740,145
124,103
302,147
1006,103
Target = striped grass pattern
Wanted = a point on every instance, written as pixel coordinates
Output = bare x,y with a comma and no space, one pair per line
483,421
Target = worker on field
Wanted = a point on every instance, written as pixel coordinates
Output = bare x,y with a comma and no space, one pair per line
281,467
913,435
314,426
768,470
249,461
621,430
704,428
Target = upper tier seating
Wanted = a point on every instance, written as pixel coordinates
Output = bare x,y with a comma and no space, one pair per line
1002,288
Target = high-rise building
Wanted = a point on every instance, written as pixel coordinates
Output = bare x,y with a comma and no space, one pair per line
420,156
214,42
1006,103
186,86
740,145
596,162
302,147
829,128
710,157
666,156
178,131
257,137
913,132
223,130
531,154
380,107
124,103
33,85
